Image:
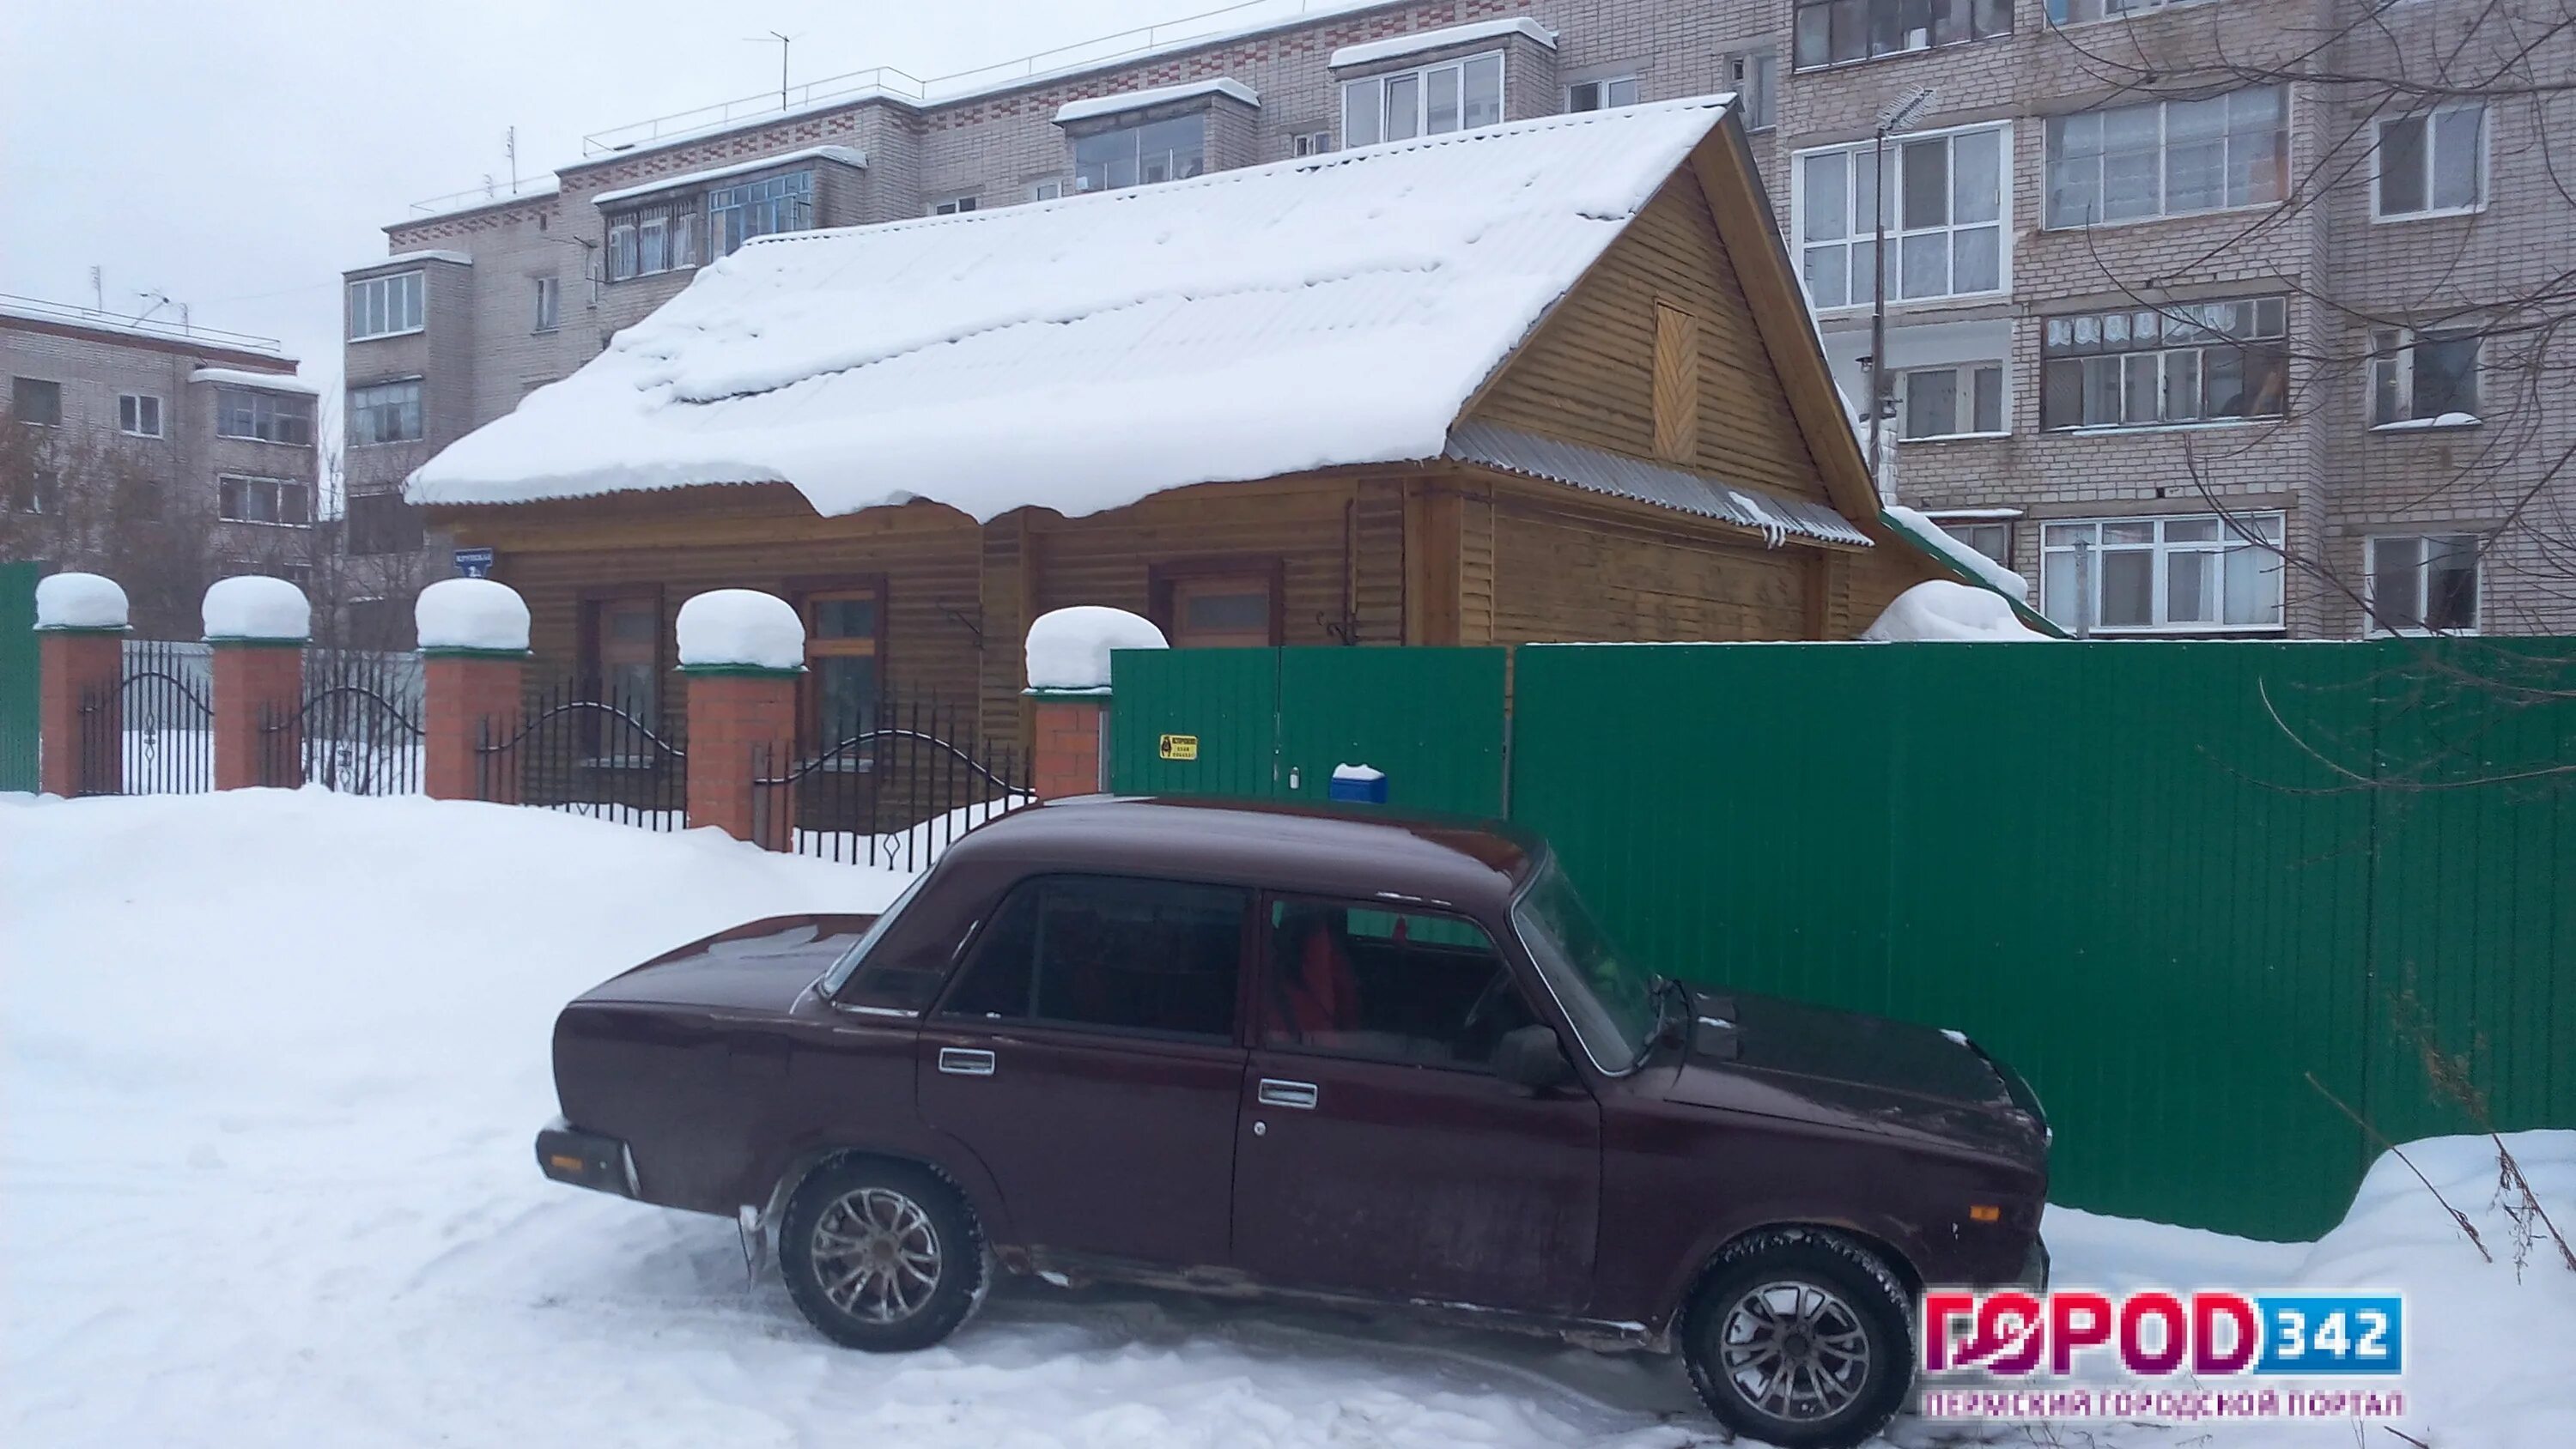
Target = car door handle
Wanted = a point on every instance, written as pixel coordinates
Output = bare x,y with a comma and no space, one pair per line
965,1062
1276,1093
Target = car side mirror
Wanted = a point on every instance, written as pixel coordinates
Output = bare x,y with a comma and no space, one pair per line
1531,1058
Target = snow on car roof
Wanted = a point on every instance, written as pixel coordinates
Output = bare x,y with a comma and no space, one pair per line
1085,353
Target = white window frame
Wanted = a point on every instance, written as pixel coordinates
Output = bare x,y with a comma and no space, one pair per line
2049,145
1051,189
277,405
132,402
1310,143
549,304
956,205
279,487
2155,362
393,305
2392,362
2431,120
1601,90
1753,73
1956,525
1964,404
2422,583
1421,75
1859,228
420,390
2236,532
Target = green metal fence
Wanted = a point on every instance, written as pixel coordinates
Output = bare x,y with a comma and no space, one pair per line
18,677
2171,882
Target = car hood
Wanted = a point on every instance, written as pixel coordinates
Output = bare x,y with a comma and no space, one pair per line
1812,1063
762,966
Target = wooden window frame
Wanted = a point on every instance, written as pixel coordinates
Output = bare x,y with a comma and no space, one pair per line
1161,579
802,591
590,612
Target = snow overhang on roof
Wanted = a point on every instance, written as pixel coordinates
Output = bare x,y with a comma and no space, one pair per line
1124,101
1602,471
1330,311
241,377
843,155
1422,40
409,259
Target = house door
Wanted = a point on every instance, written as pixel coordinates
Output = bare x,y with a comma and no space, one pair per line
1087,1055
1377,1152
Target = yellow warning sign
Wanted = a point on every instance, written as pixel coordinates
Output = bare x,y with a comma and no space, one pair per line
1180,747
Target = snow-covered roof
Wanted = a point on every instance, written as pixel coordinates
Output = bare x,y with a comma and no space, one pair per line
1084,110
1085,353
1422,40
411,259
845,155
240,377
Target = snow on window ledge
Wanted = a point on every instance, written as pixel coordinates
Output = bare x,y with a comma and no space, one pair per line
2444,422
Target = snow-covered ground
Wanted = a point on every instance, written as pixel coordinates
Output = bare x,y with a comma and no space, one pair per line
272,1063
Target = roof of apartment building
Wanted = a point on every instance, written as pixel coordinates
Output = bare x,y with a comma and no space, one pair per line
62,319
1085,353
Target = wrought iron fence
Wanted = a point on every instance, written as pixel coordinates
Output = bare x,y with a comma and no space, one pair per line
896,790
588,749
356,730
154,733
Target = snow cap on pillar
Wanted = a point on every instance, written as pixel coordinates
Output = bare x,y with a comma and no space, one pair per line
741,629
253,608
1068,649
483,616
80,601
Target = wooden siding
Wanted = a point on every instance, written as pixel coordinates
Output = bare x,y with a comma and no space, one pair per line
1588,374
1676,383
1566,571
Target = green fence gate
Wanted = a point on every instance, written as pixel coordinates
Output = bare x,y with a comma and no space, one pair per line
18,676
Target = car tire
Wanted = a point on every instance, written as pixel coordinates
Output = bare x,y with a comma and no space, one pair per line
1800,1338
881,1255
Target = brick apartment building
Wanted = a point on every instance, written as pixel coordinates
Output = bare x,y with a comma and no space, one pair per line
2197,342
164,455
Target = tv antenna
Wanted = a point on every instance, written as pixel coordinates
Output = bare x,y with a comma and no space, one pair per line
783,42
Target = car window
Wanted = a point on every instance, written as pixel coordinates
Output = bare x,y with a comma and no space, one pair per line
1394,986
1118,954
885,983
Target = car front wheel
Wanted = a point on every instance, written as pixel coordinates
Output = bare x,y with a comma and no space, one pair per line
882,1256
1801,1338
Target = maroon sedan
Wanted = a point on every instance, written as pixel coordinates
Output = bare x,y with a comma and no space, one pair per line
1276,1052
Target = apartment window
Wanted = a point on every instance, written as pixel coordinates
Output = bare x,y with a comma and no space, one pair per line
2191,573
1045,190
2077,12
385,412
2423,378
549,305
1141,155
1310,143
622,649
2434,164
954,206
39,490
36,400
646,241
264,500
2186,363
773,204
386,306
1433,100
265,417
2169,158
1754,76
138,415
1602,95
1836,32
1990,537
2422,583
844,635
382,523
1944,220
1950,402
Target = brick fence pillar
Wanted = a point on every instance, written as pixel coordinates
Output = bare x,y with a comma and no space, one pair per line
80,631
1072,743
741,655
474,659
257,628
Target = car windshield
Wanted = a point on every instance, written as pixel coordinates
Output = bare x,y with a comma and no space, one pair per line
839,976
1611,1000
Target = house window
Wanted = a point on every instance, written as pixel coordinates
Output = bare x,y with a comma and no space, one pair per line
2420,583
264,500
1989,537
2192,573
264,417
386,306
1430,101
843,679
549,305
622,649
1310,143
1951,402
1158,958
2434,164
1835,32
2169,158
1945,230
2423,378
2186,363
1754,77
1045,190
645,241
382,523
1602,95
773,204
1215,610
1141,155
385,412
36,400
953,206
138,415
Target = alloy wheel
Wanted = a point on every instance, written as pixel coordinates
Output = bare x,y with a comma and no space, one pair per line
1794,1351
876,1255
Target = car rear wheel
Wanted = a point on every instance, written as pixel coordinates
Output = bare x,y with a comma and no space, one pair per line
1801,1338
882,1256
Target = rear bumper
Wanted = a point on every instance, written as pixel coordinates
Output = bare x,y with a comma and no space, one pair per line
585,1159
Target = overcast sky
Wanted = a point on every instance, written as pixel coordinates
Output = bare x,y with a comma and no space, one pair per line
238,155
